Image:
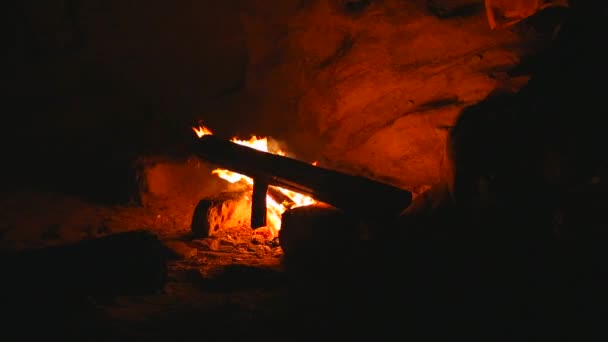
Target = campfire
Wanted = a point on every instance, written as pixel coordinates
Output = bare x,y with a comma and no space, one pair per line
276,186
278,199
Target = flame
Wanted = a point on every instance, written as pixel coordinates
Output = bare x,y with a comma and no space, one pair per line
274,208
201,130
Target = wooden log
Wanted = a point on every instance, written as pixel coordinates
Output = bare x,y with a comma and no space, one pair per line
131,263
355,195
258,204
280,197
225,210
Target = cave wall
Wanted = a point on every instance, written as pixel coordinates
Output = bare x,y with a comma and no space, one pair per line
91,85
367,87
97,62
370,87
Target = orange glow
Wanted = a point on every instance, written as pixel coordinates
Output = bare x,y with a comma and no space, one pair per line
274,208
201,130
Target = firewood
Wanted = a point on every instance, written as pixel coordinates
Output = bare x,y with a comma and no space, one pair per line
258,204
225,210
356,195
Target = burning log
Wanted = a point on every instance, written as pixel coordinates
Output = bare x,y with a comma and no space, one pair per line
130,263
280,197
227,209
354,195
258,204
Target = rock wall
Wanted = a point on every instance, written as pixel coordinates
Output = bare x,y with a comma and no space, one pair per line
371,86
367,87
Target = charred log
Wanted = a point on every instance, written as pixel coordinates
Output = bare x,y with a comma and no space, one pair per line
227,209
258,204
280,197
353,194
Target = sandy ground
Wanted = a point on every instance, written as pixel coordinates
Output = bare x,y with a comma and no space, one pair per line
227,286
237,286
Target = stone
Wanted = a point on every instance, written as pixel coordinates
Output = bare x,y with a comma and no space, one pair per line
317,233
222,211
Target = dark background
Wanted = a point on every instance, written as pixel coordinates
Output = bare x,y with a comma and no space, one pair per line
91,86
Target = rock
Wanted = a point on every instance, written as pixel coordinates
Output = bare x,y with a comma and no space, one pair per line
225,210
370,96
317,233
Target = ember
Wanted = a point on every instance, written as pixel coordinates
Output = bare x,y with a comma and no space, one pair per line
275,206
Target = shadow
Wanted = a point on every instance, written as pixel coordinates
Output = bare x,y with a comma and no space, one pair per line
239,277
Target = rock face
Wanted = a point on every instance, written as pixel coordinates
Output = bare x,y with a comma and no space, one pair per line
370,86
362,86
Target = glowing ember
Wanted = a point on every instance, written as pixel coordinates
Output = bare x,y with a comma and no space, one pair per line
274,208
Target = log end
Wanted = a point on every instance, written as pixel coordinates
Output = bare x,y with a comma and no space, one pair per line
316,234
225,210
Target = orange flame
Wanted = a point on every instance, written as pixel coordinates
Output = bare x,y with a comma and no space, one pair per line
274,208
201,130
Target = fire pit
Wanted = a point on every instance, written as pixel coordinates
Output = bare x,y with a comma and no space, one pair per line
276,184
267,202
